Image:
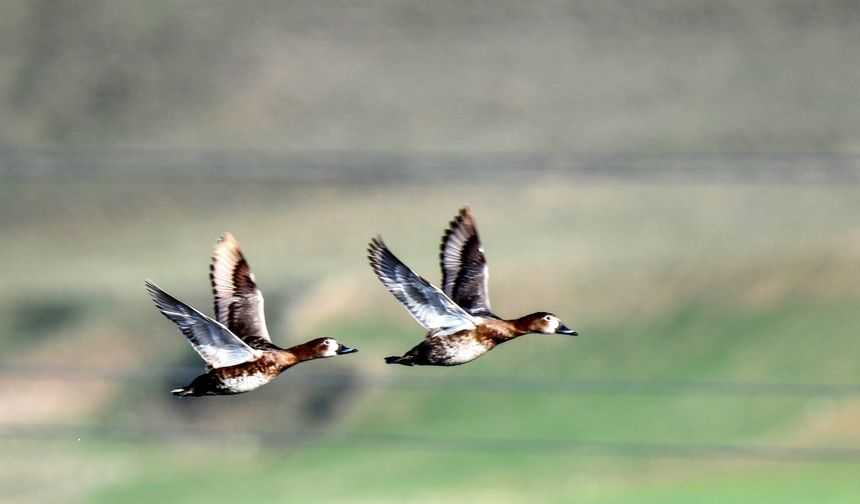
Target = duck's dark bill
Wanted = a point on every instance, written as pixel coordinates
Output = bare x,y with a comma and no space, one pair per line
345,350
563,329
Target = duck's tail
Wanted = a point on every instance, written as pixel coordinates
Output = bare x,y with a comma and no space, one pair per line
405,360
182,392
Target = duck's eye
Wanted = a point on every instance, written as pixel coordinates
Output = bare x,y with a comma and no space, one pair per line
548,318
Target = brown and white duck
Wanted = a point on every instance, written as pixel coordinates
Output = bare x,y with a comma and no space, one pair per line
236,346
458,319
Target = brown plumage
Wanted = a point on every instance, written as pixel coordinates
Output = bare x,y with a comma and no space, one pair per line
238,351
238,303
465,346
458,319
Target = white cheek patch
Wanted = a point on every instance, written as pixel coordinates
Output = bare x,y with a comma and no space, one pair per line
330,349
553,325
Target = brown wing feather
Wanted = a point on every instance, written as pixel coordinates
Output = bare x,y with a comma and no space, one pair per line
238,301
464,266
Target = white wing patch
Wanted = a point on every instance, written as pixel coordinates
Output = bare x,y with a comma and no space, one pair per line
214,342
424,301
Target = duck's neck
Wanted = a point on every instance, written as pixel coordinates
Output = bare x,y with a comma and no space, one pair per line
503,330
302,352
291,356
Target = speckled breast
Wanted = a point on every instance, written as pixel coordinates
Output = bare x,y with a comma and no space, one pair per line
245,383
454,350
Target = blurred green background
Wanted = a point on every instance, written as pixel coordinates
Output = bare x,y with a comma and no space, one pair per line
678,181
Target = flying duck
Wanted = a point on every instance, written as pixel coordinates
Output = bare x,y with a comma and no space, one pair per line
461,327
236,345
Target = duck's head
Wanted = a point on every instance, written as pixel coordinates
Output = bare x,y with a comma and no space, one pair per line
328,347
544,323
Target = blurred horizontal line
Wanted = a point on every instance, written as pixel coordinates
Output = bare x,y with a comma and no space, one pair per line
631,449
614,448
506,383
357,167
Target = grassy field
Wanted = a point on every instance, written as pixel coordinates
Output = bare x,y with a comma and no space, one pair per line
717,362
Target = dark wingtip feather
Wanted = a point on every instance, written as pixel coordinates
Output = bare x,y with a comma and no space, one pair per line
375,249
381,257
163,301
464,213
376,242
153,290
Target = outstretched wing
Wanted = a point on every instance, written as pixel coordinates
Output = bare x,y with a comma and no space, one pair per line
214,342
464,267
430,306
238,301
